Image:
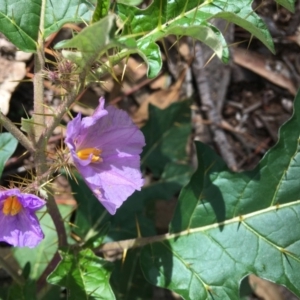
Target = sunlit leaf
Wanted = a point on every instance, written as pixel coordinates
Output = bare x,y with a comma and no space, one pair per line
85,275
233,224
19,20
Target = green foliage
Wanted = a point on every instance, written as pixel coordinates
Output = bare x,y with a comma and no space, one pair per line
237,224
166,135
226,225
288,4
25,292
130,2
40,256
191,18
19,20
89,52
93,225
127,279
85,275
101,10
8,145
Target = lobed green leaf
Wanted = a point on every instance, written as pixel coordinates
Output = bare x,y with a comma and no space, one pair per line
85,275
19,20
190,18
235,225
91,42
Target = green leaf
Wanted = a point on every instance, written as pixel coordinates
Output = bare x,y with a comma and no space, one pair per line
8,145
90,214
238,224
95,226
130,2
150,52
190,18
85,275
19,20
288,4
90,48
166,135
60,12
163,18
101,10
128,281
53,292
24,292
40,256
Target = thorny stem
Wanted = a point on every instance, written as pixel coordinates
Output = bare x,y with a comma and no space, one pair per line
39,120
121,246
17,133
62,109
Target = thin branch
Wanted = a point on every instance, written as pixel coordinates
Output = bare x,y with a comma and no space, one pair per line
40,139
17,133
61,110
120,246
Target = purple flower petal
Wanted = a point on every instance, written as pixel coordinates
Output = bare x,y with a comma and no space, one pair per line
117,175
22,229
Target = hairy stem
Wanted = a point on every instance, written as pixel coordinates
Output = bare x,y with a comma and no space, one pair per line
17,133
40,124
62,109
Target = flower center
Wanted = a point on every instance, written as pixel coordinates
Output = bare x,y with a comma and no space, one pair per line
85,154
11,206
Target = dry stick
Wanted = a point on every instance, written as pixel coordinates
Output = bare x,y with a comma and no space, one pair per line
205,92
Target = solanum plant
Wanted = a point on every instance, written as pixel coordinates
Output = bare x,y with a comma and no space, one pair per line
225,226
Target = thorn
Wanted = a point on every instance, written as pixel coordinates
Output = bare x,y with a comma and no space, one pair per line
251,38
124,255
138,229
209,60
125,67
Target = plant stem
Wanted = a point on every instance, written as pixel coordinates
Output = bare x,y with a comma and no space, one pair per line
62,109
17,133
40,138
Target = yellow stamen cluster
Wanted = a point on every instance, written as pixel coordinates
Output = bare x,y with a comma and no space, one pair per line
85,154
11,206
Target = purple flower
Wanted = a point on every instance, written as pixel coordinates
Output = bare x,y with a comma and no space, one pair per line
105,149
19,225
